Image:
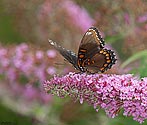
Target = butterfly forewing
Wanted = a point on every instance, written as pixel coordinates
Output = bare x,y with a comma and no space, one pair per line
91,44
70,56
92,36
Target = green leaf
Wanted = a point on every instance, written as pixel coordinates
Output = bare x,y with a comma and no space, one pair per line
113,39
136,56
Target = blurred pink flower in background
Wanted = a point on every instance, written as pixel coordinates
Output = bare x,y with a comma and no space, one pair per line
79,16
39,54
40,72
30,93
51,70
45,9
3,55
22,68
11,73
108,91
51,53
143,18
127,18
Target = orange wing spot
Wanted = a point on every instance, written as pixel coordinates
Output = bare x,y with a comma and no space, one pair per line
92,61
81,56
88,63
105,65
108,61
102,68
83,50
104,52
107,54
101,51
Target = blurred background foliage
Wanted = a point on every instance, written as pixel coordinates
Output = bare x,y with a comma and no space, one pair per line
26,58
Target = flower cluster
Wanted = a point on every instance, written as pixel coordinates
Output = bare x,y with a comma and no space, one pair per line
22,70
108,91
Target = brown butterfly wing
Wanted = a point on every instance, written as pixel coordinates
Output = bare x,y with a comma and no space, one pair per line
92,36
101,61
91,44
70,56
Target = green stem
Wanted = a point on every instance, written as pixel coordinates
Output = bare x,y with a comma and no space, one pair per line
133,58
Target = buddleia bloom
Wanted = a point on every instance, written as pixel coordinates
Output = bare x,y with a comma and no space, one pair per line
107,91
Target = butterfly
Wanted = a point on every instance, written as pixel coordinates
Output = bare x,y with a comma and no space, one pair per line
92,56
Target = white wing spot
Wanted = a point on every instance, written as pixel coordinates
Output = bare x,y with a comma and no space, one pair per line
51,42
89,33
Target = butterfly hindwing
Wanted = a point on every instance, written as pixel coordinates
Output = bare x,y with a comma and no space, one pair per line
101,61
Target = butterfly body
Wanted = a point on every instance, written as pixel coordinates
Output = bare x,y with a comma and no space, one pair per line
92,56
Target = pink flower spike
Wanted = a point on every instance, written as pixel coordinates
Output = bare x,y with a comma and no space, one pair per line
108,91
